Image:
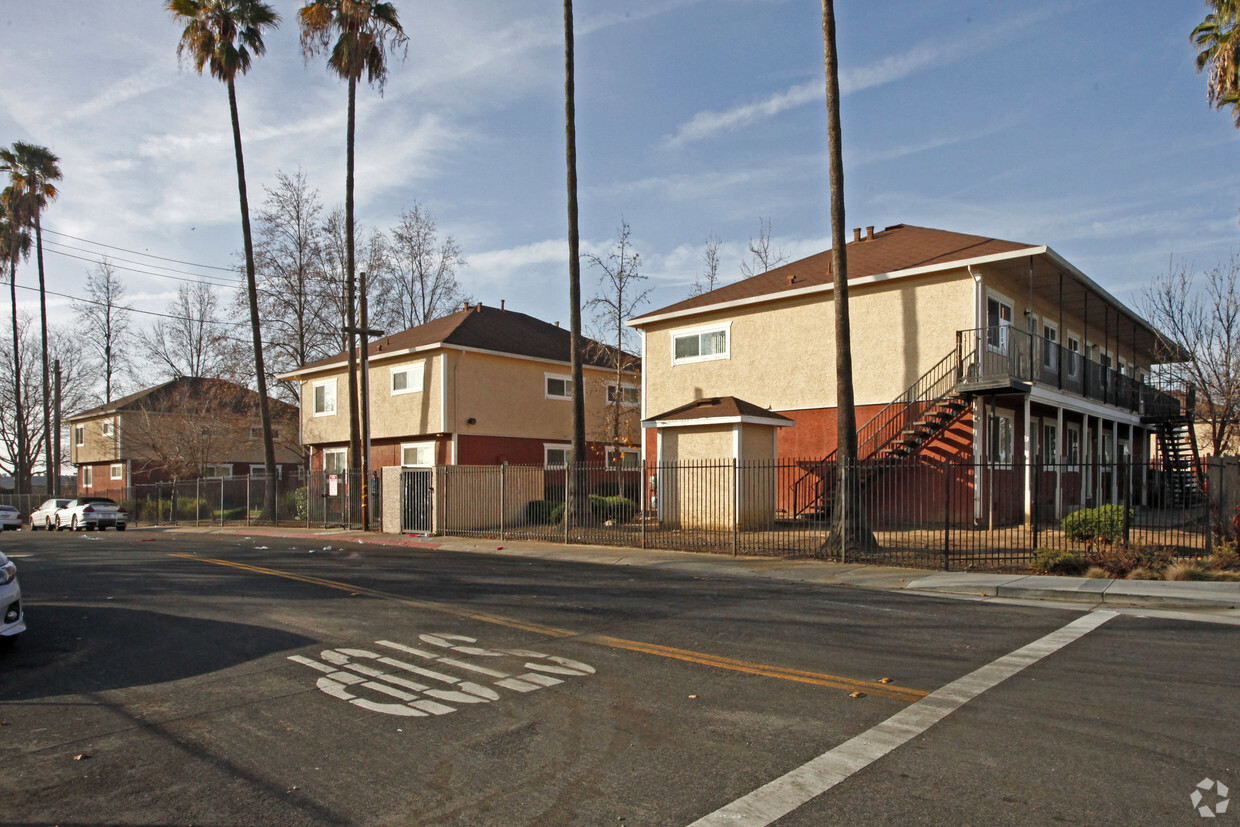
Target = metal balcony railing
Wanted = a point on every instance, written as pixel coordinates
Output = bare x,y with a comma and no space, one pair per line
1003,355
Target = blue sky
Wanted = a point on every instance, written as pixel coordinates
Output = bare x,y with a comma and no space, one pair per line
1057,123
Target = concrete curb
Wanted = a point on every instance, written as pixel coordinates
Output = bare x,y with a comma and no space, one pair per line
1095,591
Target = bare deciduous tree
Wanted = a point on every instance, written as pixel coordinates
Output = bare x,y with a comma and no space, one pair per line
296,300
195,340
620,293
1200,313
761,256
424,265
21,417
103,321
708,279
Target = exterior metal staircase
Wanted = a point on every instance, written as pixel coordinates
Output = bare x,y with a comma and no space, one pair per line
901,429
1181,462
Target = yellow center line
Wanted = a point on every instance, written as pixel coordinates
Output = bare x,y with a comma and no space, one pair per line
900,693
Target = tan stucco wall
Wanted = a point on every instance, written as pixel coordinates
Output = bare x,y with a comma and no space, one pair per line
391,415
782,354
95,446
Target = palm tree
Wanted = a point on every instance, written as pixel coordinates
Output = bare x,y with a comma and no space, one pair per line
15,245
849,528
224,36
33,171
356,34
1218,39
577,506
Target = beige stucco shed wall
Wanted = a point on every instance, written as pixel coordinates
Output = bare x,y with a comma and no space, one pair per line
718,475
782,352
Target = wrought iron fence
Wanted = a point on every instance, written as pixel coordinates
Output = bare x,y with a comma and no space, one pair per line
311,499
946,515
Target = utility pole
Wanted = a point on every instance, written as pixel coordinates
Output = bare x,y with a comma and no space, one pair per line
53,473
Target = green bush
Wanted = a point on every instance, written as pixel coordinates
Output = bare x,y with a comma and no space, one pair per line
557,513
620,509
1057,561
1104,524
538,512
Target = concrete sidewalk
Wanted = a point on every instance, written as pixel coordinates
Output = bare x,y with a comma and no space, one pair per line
1158,594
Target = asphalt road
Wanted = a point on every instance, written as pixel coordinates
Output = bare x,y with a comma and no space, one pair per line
193,679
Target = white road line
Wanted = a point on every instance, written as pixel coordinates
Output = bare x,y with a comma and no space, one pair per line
783,795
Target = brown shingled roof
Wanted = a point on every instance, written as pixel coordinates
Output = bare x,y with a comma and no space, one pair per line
160,397
486,328
900,247
717,407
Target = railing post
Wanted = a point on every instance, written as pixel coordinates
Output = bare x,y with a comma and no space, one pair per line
197,501
736,505
947,515
503,496
1127,519
644,493
248,477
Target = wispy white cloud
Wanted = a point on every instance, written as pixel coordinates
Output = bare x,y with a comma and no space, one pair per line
920,58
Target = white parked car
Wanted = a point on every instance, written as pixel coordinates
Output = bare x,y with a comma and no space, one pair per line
10,517
90,514
12,622
45,515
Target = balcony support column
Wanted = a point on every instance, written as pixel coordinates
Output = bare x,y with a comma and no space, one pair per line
1114,460
1028,452
1060,439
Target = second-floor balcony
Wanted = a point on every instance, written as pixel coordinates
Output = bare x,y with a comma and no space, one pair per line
1005,358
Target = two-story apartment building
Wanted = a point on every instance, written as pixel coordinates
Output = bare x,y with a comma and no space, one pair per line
185,428
482,386
965,348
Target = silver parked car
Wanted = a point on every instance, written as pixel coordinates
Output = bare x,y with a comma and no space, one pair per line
45,515
10,517
91,513
12,623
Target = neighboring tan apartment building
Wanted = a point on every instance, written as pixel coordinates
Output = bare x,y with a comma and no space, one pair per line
964,349
482,386
184,429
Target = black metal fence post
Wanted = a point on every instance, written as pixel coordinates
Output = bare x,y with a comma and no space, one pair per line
947,515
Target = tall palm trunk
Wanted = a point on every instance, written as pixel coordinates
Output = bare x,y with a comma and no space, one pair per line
269,452
849,528
53,468
21,477
350,280
577,505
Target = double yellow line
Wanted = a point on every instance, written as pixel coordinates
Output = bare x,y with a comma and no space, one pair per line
886,690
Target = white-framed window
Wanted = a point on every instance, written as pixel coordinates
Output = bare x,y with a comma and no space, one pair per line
1072,450
1074,354
88,476
998,320
217,470
1050,346
109,427
325,398
417,454
408,378
1050,443
79,435
702,344
1001,436
117,471
556,455
628,394
628,458
557,386
335,460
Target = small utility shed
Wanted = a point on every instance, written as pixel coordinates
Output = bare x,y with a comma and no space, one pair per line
716,464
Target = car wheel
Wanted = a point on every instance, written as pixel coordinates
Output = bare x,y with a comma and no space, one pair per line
59,527
74,525
48,525
120,527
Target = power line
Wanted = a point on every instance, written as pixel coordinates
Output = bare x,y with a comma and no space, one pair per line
128,309
136,253
128,261
200,280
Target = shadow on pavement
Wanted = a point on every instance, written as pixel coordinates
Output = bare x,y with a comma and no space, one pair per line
71,649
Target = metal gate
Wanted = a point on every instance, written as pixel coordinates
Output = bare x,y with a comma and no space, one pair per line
416,502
